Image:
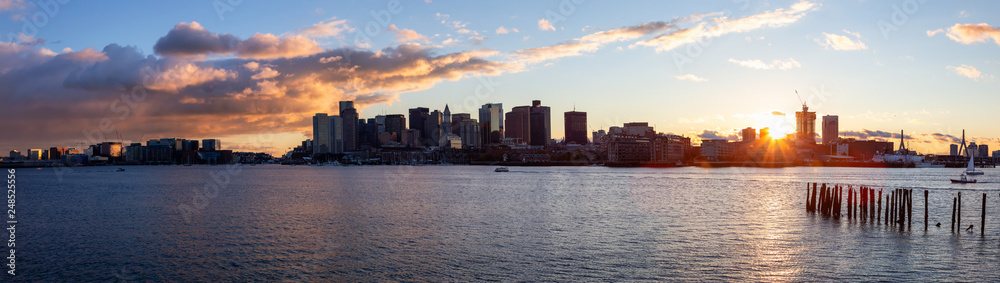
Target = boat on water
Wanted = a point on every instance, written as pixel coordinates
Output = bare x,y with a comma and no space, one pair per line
963,180
971,169
501,169
120,169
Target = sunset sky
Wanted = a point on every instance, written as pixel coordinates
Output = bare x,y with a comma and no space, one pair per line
253,73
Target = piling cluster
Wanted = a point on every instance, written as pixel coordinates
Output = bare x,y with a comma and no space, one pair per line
865,204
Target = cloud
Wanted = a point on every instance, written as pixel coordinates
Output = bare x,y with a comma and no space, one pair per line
761,65
717,25
777,113
544,24
969,72
840,42
690,77
971,33
865,134
503,30
328,28
10,5
199,96
406,35
715,135
191,39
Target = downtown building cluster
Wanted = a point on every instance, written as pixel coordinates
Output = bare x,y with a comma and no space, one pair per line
153,152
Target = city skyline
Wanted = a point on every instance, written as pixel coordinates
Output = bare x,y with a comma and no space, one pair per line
703,70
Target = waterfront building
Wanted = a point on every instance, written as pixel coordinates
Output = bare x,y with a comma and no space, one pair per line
805,125
749,134
431,133
321,134
491,123
831,129
395,124
575,127
336,134
984,150
56,153
517,125
598,136
469,132
541,125
16,155
641,129
34,154
211,144
456,121
718,150
349,117
446,121
953,150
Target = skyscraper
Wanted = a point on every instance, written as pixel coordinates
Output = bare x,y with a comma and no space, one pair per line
336,131
831,128
457,119
953,149
395,123
469,131
805,125
984,150
418,117
446,121
517,124
431,134
214,144
749,134
349,117
491,123
541,124
575,126
321,134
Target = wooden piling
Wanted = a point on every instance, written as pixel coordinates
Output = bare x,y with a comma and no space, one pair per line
982,221
871,207
909,209
822,197
925,210
959,215
879,214
813,199
850,203
861,206
840,200
954,203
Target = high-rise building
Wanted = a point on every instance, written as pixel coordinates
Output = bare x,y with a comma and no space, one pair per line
191,145
972,150
953,149
541,124
418,118
575,126
599,136
457,119
56,153
446,121
984,150
336,134
996,153
395,124
321,134
115,149
211,145
431,134
469,132
517,125
34,154
491,123
805,125
749,134
15,155
831,128
349,117
380,122
367,133
640,129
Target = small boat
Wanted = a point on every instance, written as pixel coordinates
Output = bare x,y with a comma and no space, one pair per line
120,169
963,180
501,169
971,169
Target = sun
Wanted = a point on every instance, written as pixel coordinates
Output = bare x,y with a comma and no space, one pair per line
778,125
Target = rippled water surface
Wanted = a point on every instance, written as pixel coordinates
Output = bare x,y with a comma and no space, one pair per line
468,223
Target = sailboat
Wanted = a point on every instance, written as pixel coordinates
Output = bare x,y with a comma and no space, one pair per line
971,170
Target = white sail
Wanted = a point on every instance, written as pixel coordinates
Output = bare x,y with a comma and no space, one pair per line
972,165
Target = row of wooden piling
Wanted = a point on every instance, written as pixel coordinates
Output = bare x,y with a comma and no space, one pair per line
865,204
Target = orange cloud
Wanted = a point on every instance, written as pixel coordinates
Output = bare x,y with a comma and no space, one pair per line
971,33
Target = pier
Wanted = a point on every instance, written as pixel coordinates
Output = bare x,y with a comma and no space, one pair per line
865,205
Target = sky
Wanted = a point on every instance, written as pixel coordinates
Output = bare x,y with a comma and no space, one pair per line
253,73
